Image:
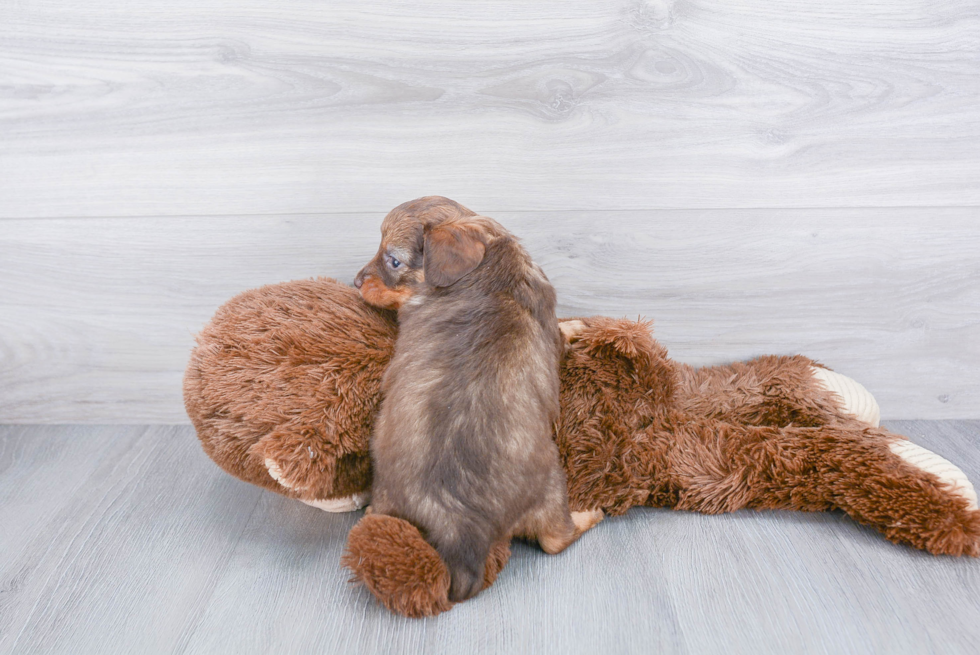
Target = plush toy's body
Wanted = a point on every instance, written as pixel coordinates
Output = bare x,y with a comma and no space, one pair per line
284,384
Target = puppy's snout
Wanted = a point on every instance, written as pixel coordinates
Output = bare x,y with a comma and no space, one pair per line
359,278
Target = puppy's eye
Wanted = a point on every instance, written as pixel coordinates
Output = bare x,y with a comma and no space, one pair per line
394,262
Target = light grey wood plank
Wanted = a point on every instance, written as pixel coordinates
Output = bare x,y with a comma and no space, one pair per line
113,537
43,472
218,107
135,542
652,581
97,316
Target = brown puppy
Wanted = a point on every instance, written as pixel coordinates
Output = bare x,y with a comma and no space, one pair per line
396,272
462,446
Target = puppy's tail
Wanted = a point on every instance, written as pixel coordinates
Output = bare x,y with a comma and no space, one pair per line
405,573
466,560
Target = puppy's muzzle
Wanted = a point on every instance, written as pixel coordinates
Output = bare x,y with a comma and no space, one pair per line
363,274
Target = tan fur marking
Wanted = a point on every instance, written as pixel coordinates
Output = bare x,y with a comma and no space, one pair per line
375,292
585,521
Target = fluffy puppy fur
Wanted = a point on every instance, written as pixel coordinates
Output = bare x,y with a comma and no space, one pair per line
462,446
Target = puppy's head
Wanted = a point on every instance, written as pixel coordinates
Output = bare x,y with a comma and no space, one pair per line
426,240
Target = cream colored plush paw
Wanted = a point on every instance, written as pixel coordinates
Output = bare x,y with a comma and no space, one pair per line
349,504
855,399
571,329
276,473
930,462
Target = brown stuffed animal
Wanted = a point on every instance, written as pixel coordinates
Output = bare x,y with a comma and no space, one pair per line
284,384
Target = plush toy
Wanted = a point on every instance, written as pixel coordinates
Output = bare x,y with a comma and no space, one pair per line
284,384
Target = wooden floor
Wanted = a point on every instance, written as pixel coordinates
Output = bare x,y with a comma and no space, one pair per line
128,539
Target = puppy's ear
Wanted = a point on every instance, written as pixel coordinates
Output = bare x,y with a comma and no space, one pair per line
450,252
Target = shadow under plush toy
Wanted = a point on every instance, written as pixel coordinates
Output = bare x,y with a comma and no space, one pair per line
284,384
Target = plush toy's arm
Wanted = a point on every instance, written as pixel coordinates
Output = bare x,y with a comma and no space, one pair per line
310,469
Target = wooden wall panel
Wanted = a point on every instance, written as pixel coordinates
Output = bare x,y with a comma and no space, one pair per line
196,107
97,316
690,161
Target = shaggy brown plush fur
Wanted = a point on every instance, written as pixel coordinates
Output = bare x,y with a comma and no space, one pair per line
293,369
292,373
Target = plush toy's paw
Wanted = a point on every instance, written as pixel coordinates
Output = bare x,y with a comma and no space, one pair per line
948,473
344,504
403,571
855,399
348,504
571,329
276,474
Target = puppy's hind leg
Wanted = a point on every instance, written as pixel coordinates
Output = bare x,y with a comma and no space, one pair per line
555,537
554,527
585,521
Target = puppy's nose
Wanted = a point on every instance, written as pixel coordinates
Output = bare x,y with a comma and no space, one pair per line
359,278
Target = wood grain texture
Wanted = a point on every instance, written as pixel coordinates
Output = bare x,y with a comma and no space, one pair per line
128,539
199,107
107,544
97,316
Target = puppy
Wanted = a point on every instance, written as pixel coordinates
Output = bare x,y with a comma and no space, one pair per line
463,443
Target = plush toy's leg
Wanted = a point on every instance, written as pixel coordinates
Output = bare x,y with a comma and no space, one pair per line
928,461
390,557
879,478
774,390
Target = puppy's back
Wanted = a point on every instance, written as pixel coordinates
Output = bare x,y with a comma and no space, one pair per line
464,444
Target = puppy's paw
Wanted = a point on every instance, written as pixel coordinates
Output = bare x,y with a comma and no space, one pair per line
587,520
571,330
